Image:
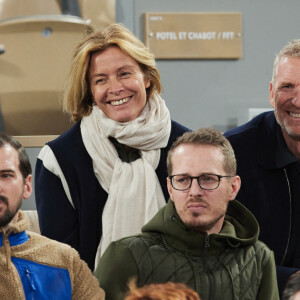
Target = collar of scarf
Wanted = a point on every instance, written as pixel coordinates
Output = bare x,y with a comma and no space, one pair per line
134,192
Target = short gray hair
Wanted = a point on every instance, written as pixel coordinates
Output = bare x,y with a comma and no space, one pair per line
292,49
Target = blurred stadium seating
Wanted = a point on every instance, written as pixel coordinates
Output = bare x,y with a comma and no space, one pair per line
33,67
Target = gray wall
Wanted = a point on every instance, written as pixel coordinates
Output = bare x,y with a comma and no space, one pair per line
215,93
29,204
201,93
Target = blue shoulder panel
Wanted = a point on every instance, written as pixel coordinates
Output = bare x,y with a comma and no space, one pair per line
43,282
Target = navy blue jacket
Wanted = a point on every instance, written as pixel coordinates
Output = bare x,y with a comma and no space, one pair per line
81,227
265,188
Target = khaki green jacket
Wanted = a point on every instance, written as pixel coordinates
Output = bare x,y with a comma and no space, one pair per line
231,265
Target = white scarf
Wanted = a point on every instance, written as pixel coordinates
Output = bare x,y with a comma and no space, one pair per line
134,192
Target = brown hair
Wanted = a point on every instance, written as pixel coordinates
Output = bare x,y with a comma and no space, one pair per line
77,99
161,291
292,287
206,136
24,162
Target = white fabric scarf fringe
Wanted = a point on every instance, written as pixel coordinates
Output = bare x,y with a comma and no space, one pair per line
134,191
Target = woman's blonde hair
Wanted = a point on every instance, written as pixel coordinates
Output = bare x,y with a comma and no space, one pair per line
77,98
161,291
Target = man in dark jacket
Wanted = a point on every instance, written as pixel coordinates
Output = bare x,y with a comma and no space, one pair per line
202,237
267,150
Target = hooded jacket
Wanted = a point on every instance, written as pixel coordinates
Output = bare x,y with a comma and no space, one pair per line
35,267
230,265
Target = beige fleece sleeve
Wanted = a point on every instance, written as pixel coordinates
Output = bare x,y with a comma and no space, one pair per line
84,284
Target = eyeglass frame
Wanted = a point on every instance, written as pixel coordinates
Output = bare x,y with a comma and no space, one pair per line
197,177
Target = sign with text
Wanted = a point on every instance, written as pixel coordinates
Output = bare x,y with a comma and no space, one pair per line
194,35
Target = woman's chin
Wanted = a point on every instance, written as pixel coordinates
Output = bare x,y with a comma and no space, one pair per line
122,115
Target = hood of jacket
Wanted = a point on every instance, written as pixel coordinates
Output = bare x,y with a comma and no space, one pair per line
240,228
14,235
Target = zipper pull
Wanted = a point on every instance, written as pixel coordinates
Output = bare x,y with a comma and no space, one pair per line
207,243
30,280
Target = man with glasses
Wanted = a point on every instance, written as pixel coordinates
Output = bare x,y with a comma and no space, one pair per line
202,237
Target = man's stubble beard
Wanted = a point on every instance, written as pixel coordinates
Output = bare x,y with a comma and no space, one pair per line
8,215
204,226
286,128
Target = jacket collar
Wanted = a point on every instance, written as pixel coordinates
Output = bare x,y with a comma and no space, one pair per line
16,233
239,228
272,150
15,239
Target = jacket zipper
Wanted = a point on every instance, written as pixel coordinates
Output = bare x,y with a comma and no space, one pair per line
211,280
290,218
31,284
206,246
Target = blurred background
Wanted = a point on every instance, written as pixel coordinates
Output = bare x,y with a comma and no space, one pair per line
37,39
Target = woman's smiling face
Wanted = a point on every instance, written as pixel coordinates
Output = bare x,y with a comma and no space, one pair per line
117,84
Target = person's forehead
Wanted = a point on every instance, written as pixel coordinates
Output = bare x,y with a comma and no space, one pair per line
189,149
288,64
113,51
9,157
198,154
111,59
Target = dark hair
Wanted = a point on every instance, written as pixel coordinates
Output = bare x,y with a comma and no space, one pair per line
292,287
24,163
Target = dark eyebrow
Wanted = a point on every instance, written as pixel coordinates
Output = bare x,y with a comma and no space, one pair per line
201,174
7,171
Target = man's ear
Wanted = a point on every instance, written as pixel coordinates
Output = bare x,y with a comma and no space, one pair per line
170,189
27,187
235,187
271,95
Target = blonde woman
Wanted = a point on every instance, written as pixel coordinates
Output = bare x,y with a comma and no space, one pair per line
106,176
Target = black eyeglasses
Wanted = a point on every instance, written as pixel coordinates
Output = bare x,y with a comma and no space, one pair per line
205,181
